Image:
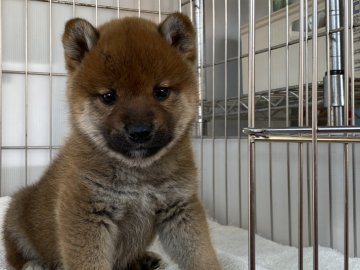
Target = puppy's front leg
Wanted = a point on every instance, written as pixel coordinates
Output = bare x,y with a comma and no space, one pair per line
86,240
184,234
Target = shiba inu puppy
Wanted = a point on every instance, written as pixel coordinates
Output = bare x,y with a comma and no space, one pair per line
126,172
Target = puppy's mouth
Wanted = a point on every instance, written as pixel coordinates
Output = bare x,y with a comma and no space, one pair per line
121,143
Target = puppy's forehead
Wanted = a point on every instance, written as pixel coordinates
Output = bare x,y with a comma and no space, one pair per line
129,34
135,46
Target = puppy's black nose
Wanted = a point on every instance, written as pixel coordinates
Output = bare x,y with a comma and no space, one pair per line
139,133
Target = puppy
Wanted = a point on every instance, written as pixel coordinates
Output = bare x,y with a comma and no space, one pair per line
126,172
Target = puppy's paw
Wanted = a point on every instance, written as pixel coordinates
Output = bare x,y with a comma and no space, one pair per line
151,261
35,265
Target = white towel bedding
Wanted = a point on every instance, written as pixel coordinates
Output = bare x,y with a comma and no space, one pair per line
231,247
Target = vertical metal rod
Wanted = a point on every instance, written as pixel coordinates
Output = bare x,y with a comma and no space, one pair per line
225,116
330,119
269,122
198,10
213,105
73,8
336,40
251,64
1,68
139,8
159,11
307,116
269,61
118,9
352,69
50,81
354,201
353,124
198,22
251,203
307,66
287,121
346,60
239,108
191,9
330,199
329,93
289,192
251,120
180,6
346,206
300,208
314,138
300,146
26,91
307,120
287,63
346,146
96,13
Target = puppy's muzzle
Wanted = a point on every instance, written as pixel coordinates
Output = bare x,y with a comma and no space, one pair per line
139,132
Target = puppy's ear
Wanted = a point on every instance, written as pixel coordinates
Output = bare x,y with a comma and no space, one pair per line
78,39
178,30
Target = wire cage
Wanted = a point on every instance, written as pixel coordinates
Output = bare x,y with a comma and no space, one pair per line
276,133
288,71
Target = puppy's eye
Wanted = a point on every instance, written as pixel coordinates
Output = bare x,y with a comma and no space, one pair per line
108,98
161,92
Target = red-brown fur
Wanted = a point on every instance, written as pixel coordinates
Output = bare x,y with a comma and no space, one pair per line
99,206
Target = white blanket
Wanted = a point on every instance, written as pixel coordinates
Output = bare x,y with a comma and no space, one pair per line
231,247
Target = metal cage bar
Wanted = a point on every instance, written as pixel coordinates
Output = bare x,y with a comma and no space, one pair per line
287,118
26,90
251,144
300,146
139,8
198,22
159,16
353,124
96,12
1,99
329,113
271,205
346,145
226,109
213,106
50,82
73,8
238,103
314,123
